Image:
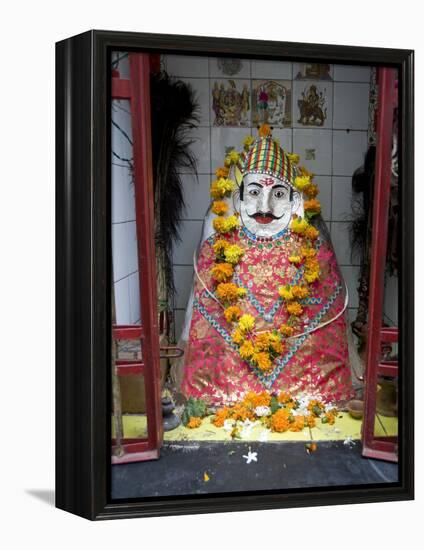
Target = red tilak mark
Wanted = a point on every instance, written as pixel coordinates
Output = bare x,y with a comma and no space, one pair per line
267,181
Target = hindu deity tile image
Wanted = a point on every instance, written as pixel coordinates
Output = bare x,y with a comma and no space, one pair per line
311,106
231,103
312,71
271,102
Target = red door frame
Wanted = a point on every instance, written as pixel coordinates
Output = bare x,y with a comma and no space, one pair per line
137,91
384,448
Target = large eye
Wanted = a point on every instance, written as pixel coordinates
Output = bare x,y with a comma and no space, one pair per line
254,192
279,193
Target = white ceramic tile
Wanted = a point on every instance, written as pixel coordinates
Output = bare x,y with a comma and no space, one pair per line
351,103
272,103
324,196
351,274
196,196
319,91
342,198
314,148
186,65
179,316
200,88
183,277
312,71
284,135
352,73
122,302
190,232
340,237
134,289
225,67
349,150
123,200
121,130
230,101
391,299
275,70
201,149
223,140
124,249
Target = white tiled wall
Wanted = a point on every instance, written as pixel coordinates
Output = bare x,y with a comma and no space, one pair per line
332,151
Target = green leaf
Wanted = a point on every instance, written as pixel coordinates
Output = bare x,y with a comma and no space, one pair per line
274,405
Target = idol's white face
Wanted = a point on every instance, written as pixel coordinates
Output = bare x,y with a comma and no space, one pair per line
267,205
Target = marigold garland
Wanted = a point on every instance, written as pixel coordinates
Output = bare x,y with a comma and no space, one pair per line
263,348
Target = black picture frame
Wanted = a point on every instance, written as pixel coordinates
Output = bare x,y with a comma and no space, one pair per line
83,244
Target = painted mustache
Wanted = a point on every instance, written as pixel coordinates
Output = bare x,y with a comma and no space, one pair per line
264,217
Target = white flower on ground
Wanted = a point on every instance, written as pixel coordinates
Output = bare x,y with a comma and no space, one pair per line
349,442
251,457
262,411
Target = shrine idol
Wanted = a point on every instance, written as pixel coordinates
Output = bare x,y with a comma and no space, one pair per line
268,304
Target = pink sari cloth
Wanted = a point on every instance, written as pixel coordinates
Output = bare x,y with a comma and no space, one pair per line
315,363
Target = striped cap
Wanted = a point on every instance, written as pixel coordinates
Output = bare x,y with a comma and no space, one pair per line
265,156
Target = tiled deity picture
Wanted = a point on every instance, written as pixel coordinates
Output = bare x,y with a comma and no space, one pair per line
241,269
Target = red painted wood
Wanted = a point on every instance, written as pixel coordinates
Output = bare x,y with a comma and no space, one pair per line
386,79
134,456
127,332
121,88
389,334
125,367
144,205
388,368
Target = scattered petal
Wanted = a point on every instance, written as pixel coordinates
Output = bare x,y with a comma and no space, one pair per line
251,456
206,477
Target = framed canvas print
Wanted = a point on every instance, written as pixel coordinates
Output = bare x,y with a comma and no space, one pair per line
234,274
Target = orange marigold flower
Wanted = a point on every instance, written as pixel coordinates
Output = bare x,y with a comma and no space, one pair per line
264,130
276,344
254,400
311,190
300,292
294,308
222,272
246,350
220,245
286,330
222,172
228,292
298,424
220,416
262,360
219,207
284,397
262,341
232,313
313,206
311,421
280,421
311,233
308,252
237,336
241,412
194,422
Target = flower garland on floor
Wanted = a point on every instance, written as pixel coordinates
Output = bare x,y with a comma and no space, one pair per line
261,349
278,413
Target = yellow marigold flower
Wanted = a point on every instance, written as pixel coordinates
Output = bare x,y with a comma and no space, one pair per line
232,222
233,254
312,264
247,142
232,313
308,252
220,245
295,259
222,187
286,330
293,157
311,190
225,225
237,336
222,172
262,360
227,292
313,206
300,182
311,276
276,344
280,421
299,225
286,293
311,233
294,308
262,341
246,350
219,207
231,158
246,323
300,292
304,172
264,130
241,292
222,272
194,422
